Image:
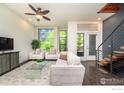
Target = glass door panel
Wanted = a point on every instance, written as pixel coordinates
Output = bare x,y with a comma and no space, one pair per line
92,44
80,44
62,40
86,45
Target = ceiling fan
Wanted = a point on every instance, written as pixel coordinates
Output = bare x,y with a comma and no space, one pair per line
39,13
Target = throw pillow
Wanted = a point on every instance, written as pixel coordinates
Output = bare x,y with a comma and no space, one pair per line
73,59
53,51
63,56
38,51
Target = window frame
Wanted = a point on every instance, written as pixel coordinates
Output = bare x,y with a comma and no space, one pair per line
40,32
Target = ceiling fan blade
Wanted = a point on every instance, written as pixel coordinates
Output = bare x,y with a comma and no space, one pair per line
32,8
30,14
45,12
46,18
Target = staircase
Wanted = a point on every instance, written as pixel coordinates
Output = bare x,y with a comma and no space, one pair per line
117,60
114,60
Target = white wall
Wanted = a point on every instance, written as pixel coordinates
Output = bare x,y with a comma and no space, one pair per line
14,26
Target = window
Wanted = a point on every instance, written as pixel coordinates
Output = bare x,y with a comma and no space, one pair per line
87,27
46,36
62,40
80,44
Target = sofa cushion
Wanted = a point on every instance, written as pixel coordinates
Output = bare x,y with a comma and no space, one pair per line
38,51
63,56
61,62
52,51
73,59
47,56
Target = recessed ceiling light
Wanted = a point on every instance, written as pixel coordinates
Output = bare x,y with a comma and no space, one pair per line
98,18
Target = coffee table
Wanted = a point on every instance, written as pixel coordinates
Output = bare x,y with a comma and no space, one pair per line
34,71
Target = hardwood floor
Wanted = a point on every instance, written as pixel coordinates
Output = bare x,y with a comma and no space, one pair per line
97,77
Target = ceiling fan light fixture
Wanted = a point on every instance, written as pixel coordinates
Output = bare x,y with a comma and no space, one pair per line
39,17
38,13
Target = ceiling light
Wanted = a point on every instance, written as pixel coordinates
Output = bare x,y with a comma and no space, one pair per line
38,16
98,18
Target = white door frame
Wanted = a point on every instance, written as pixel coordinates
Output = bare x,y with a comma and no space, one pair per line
86,45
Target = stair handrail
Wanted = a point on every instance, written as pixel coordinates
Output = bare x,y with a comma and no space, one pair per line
111,34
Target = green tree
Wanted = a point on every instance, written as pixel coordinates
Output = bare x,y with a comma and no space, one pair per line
35,44
62,41
80,40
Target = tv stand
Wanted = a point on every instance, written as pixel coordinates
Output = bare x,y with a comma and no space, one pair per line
8,61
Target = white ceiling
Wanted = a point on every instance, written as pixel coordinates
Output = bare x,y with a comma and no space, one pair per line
61,13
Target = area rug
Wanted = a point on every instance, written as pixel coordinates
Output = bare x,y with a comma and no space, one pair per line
23,76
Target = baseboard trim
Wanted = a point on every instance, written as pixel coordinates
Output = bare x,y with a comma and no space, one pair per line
50,59
9,70
22,63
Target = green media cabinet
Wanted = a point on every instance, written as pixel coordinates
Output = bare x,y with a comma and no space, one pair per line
8,61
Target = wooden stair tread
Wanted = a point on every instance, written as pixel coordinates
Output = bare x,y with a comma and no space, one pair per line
122,47
107,59
103,62
115,57
119,52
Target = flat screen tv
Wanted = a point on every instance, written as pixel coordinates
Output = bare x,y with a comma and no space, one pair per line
6,43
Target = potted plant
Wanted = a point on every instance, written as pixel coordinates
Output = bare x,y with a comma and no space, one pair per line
39,60
35,44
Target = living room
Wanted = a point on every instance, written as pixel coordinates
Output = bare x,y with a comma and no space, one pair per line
55,49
